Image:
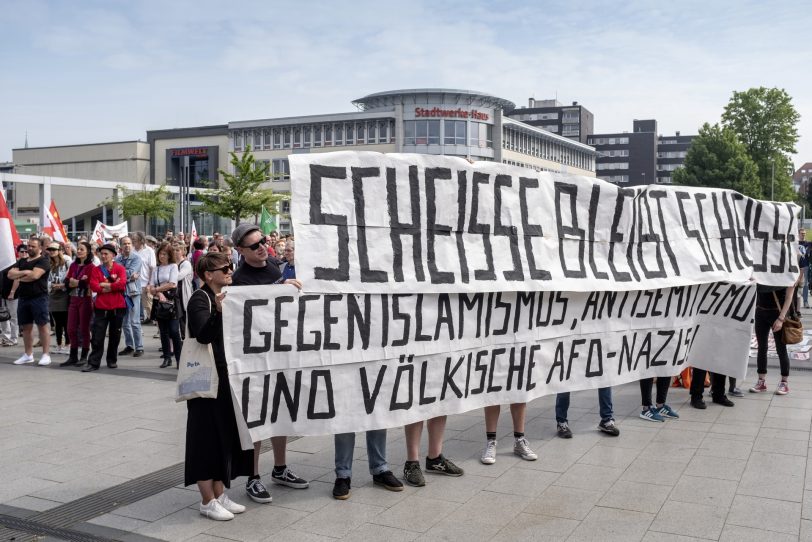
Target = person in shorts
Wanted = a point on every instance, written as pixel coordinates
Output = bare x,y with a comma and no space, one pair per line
32,301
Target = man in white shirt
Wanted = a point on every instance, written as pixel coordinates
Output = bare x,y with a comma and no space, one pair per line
148,264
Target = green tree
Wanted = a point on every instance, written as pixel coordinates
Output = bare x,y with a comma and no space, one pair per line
146,203
766,122
716,158
241,193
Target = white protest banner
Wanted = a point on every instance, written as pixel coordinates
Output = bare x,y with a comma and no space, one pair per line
102,231
370,222
307,364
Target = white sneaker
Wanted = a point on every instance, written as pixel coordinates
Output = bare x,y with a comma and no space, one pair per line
230,505
214,510
522,448
45,360
489,453
25,358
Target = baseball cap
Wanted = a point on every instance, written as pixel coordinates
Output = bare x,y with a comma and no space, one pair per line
241,231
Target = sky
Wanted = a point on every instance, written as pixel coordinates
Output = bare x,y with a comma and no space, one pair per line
79,71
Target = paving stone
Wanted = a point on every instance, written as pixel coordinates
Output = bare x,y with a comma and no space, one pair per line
535,528
653,471
519,481
735,533
654,536
590,477
160,505
403,514
564,502
781,446
609,456
690,519
337,518
703,490
252,525
635,496
608,524
370,531
122,523
480,518
716,467
773,476
767,514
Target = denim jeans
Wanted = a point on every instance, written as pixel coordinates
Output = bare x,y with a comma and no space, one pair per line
9,329
132,325
562,405
376,452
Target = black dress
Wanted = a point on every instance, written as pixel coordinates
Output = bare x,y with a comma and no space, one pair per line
212,442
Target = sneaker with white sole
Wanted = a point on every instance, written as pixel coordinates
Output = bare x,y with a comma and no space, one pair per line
256,490
666,411
216,511
25,358
288,478
230,505
760,387
609,427
489,453
783,388
44,360
651,415
522,448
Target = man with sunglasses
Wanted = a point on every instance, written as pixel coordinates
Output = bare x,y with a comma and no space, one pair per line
257,270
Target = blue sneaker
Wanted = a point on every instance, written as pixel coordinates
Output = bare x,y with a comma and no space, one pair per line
651,415
666,411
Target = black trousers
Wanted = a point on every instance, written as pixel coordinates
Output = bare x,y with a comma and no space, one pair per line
764,323
698,384
663,383
105,322
171,342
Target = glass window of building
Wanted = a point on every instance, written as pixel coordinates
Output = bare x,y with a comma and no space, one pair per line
372,132
328,135
280,169
266,139
306,133
409,132
360,132
257,139
286,139
454,132
339,134
238,140
350,136
277,138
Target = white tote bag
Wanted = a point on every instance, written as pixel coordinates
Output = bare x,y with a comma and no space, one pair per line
197,375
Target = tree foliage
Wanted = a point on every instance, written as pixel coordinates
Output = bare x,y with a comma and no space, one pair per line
146,203
241,194
766,122
716,158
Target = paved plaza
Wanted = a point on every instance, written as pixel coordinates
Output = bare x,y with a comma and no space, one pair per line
98,456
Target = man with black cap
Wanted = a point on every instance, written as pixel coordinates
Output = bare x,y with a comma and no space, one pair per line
109,282
258,269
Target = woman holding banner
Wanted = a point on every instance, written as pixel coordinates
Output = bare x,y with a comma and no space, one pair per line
772,306
213,453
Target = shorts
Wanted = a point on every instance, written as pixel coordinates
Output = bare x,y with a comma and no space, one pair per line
33,310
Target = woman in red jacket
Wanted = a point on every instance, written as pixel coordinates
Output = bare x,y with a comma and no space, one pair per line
109,281
80,307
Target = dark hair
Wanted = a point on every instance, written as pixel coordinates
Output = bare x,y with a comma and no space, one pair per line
170,253
209,262
35,238
89,257
199,244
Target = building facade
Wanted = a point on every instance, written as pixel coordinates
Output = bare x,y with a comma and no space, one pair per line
572,121
123,161
428,121
641,156
802,177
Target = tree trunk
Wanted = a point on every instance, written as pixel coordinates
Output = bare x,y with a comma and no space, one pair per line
237,219
146,224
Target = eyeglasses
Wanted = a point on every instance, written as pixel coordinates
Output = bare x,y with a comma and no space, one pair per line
225,269
256,245
49,249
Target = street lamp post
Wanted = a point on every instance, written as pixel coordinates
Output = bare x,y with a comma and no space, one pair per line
772,179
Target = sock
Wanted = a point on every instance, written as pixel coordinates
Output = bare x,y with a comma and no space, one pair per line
279,469
491,435
517,434
412,462
254,477
433,459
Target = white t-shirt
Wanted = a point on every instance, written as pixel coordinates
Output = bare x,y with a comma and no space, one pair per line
163,274
147,265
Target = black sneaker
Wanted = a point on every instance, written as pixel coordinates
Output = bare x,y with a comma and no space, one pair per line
723,400
126,351
138,353
256,490
288,478
341,489
413,475
563,430
443,465
387,480
609,427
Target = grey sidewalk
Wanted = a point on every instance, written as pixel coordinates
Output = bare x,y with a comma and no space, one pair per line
720,474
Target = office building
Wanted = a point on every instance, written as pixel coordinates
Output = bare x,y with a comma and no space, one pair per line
572,121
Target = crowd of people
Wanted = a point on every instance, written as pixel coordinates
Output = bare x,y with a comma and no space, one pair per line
88,294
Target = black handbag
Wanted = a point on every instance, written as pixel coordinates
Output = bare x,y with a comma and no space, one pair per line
164,310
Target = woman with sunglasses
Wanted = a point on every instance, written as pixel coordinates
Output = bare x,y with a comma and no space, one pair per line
58,295
163,287
213,453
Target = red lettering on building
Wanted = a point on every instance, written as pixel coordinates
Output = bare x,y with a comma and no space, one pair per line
458,113
191,151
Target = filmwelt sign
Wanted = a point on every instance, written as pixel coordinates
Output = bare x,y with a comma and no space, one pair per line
449,112
435,286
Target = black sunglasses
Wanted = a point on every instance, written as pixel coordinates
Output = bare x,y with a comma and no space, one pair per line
256,245
225,269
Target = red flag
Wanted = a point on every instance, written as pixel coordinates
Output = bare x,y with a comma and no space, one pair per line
53,225
9,239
